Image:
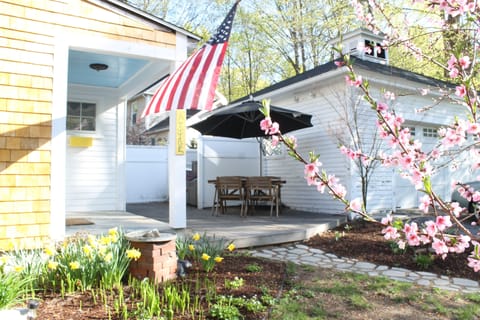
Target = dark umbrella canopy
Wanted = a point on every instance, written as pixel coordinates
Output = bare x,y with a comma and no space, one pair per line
243,121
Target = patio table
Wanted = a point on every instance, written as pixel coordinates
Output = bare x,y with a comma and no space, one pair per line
277,183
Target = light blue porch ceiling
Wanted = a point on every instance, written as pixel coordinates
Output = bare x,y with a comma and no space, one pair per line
120,69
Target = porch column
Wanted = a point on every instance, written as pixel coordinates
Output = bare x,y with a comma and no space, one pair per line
177,185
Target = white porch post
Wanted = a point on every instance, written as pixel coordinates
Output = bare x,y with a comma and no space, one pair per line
177,185
177,164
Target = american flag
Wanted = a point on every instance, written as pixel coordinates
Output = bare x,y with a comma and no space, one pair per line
192,85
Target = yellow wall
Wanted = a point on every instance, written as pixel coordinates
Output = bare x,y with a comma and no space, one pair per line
28,30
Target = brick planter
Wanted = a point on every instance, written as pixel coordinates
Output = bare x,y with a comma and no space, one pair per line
159,258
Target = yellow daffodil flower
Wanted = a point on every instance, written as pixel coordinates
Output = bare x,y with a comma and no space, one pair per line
196,237
108,257
87,250
74,265
18,268
205,257
231,247
113,232
133,254
52,265
191,247
49,251
218,259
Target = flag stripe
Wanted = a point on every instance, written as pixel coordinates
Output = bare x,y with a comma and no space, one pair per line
192,85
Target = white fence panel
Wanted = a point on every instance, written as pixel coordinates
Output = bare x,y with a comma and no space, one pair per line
224,157
146,173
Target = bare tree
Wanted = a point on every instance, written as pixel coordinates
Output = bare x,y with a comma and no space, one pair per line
353,131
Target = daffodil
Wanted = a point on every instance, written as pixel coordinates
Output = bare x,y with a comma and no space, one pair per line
49,251
231,247
52,265
218,259
196,237
205,257
191,247
87,250
19,268
74,265
108,257
113,232
133,254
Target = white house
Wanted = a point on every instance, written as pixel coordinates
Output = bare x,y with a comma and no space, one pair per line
321,92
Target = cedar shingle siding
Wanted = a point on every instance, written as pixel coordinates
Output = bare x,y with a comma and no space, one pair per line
28,33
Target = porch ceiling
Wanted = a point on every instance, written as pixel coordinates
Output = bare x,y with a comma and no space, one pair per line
120,69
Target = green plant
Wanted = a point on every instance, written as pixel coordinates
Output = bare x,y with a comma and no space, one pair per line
13,287
424,261
396,248
254,267
234,284
206,250
224,309
339,235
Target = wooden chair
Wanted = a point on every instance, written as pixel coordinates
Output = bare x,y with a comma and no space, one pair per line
229,188
261,189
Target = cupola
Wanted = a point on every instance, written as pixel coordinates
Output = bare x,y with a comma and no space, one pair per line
363,44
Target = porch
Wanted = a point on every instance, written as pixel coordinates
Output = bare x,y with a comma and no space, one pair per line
257,229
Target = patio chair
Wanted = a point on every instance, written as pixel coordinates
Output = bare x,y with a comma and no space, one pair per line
229,188
261,189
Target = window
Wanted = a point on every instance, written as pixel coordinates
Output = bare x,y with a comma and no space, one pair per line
374,49
430,132
81,116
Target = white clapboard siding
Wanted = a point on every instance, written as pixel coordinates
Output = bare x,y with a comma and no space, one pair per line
319,99
92,179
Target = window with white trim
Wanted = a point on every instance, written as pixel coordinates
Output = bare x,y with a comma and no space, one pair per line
430,132
81,116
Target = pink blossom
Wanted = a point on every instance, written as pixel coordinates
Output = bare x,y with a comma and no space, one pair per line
339,63
431,229
456,209
387,220
440,247
453,73
451,62
339,190
356,204
461,91
464,62
413,239
275,128
321,187
473,128
443,222
425,203
381,107
474,264
410,228
390,233
356,82
265,124
311,169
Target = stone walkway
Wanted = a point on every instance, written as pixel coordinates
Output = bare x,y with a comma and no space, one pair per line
301,254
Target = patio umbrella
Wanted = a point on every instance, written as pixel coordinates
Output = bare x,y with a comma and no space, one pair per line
243,121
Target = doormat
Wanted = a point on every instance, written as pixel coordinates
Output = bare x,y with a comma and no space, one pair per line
77,222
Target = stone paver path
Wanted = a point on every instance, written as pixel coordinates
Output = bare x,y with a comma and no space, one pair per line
301,254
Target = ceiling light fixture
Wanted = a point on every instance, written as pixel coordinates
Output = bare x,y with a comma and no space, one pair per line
98,66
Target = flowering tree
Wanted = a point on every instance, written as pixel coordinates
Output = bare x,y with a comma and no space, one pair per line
417,165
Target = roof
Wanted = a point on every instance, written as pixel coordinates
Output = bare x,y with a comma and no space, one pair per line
358,63
127,8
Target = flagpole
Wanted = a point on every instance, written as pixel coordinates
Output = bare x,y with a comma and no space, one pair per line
191,86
